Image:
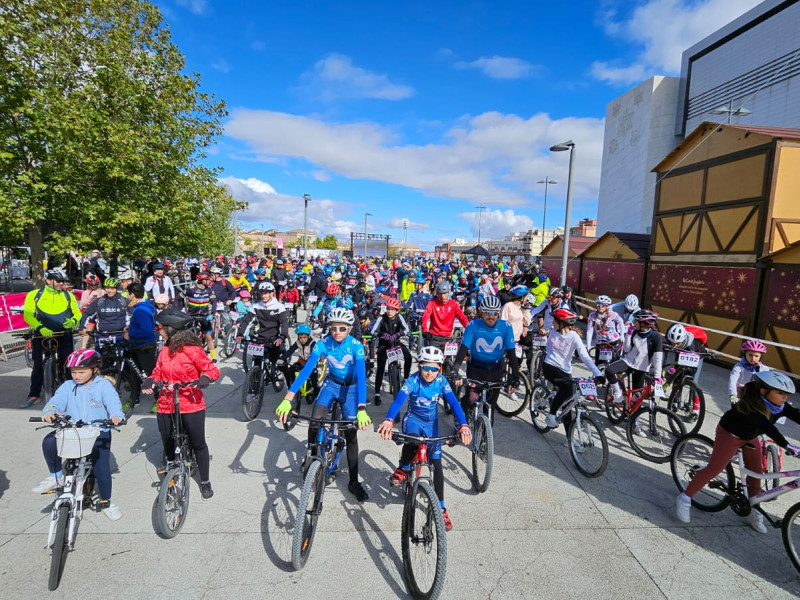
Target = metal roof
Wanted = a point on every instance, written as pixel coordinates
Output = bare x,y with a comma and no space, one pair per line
638,242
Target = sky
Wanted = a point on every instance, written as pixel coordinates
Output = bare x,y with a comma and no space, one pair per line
424,111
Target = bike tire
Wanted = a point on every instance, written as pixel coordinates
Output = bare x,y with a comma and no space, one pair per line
308,511
424,540
394,379
252,394
60,548
790,530
49,379
482,454
615,412
29,353
247,360
128,388
681,402
278,378
588,446
537,364
229,347
540,407
662,427
773,466
690,454
510,405
173,502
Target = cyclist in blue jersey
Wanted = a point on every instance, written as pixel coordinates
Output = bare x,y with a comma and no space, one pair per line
422,391
345,383
333,299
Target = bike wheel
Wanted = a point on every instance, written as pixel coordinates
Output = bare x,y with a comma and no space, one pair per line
247,360
60,548
536,366
278,378
424,542
661,426
615,412
29,354
308,511
773,465
588,445
482,453
229,347
682,401
50,378
173,502
790,528
128,389
540,407
690,454
252,394
510,405
394,379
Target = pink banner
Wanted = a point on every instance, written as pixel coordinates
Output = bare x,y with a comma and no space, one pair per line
11,310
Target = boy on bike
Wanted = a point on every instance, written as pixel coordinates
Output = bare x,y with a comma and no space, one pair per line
387,331
303,346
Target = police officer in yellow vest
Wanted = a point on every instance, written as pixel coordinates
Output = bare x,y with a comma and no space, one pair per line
52,312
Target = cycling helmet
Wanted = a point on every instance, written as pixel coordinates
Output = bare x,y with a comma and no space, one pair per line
202,278
158,266
81,359
421,280
111,282
542,277
631,303
469,312
443,287
245,294
126,277
775,381
430,354
520,291
754,346
393,303
237,270
565,316
363,313
161,299
648,317
303,328
490,303
530,299
174,318
347,302
92,279
291,284
216,271
567,289
279,261
333,290
265,286
603,301
556,293
676,334
341,315
260,272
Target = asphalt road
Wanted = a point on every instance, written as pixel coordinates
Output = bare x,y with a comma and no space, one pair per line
541,530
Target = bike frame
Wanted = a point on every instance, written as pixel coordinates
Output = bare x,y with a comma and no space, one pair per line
744,473
72,495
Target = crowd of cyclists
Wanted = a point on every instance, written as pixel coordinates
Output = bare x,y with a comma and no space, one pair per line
363,314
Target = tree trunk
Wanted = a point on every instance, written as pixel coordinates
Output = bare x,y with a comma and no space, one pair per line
37,253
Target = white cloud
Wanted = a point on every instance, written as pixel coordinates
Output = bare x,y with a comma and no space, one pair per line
398,222
321,175
198,7
221,65
335,77
663,29
492,158
496,223
500,67
268,207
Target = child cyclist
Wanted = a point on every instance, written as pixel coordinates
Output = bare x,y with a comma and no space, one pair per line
87,397
346,382
422,391
644,350
744,371
762,403
303,346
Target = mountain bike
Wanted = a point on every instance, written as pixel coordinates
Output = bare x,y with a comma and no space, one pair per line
586,439
26,335
319,468
74,442
686,399
632,397
52,369
262,373
510,404
692,452
479,418
394,357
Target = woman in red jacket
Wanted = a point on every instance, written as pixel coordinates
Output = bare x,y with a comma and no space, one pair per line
181,360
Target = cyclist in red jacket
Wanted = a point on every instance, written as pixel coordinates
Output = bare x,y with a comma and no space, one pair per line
440,316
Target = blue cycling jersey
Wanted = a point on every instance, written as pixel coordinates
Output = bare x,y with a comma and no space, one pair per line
486,344
329,303
346,365
417,301
423,399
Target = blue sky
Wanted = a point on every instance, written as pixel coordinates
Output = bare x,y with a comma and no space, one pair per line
424,110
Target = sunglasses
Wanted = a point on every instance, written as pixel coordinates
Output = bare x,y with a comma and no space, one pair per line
490,313
338,329
428,369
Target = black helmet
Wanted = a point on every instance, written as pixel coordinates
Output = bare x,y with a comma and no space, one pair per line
174,318
362,313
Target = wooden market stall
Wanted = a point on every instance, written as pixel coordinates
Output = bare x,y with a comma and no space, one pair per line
553,254
615,265
779,314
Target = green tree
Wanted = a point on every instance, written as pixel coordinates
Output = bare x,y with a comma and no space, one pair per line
329,242
102,135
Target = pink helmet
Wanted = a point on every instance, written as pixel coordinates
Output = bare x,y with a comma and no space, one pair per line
244,294
81,359
754,346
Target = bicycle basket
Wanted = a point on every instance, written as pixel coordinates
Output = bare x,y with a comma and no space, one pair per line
75,443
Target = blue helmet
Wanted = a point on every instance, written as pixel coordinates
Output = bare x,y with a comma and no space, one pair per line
303,328
520,291
347,302
260,271
420,280
542,277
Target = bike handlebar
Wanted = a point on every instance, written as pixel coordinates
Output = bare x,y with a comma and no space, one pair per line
65,422
484,385
401,438
297,417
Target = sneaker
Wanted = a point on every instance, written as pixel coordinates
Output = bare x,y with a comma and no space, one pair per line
551,421
358,491
683,509
376,399
29,402
113,512
398,477
639,432
46,485
579,448
514,397
448,524
757,522
205,490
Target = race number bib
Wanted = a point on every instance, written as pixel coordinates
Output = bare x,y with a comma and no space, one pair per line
450,349
255,349
518,350
658,390
605,355
688,359
393,355
540,340
288,306
587,387
312,298
220,306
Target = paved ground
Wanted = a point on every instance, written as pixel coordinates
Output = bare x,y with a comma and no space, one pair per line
541,530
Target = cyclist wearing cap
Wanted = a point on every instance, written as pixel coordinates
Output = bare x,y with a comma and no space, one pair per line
108,313
158,284
388,330
346,383
763,402
200,304
644,351
543,313
607,325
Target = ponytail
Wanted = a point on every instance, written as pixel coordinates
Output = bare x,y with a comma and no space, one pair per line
751,402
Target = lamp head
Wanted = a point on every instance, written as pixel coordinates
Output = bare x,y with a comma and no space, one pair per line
562,147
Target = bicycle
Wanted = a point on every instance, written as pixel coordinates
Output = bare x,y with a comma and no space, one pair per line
319,468
120,367
536,354
632,397
173,493
511,404
26,335
686,399
645,430
394,356
585,434
692,452
52,369
75,442
424,539
291,308
479,418
259,375
307,391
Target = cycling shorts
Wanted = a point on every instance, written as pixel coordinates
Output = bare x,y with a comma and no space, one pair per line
347,395
414,426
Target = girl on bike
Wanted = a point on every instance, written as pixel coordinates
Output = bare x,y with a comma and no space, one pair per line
744,371
183,360
762,403
388,331
422,391
644,350
87,397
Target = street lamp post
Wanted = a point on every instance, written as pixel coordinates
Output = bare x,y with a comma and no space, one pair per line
306,200
569,145
480,208
728,109
546,181
365,234
405,236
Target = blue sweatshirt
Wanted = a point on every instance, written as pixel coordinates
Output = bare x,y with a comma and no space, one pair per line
95,400
142,327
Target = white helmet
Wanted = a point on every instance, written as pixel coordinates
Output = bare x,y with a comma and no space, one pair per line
603,300
341,315
430,354
676,334
631,303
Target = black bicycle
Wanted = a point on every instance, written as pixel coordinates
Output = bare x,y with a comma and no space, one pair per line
261,373
685,399
479,418
119,365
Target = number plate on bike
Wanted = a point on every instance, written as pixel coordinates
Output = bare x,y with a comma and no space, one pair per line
588,388
288,306
393,355
312,298
688,359
255,349
518,350
220,306
540,340
450,349
658,390
605,355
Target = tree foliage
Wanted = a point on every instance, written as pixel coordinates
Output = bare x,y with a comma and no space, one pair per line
102,134
328,242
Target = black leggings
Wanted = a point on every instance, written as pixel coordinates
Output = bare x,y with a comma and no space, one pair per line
194,425
407,455
350,436
562,381
620,366
382,365
471,394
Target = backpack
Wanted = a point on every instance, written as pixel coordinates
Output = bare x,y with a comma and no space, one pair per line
698,333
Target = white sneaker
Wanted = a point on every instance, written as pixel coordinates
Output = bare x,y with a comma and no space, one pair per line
579,448
683,509
46,485
113,512
757,522
551,422
639,432
514,397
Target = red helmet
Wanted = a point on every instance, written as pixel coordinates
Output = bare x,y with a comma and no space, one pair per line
92,279
203,277
393,303
332,290
566,316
